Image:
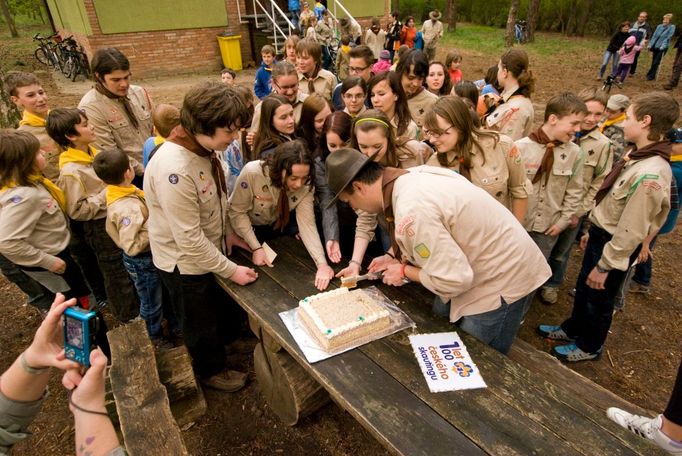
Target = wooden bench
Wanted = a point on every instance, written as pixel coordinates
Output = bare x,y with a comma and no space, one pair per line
526,408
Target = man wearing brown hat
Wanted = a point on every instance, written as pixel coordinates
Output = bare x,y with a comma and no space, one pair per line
432,32
450,236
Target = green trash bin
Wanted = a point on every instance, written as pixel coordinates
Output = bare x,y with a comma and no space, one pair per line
230,51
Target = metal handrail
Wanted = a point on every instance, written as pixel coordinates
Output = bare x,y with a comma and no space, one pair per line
343,8
276,27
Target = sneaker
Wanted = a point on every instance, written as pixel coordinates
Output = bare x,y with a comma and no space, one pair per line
549,295
639,288
649,428
554,333
227,380
572,353
619,84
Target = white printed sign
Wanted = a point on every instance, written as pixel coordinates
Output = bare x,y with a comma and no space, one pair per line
445,362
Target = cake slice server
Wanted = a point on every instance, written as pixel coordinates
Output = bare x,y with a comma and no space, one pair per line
352,281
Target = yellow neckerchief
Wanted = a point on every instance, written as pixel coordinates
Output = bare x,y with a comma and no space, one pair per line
72,155
51,188
609,122
32,120
116,192
158,139
676,158
345,48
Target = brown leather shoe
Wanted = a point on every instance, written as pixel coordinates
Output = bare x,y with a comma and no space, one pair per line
227,380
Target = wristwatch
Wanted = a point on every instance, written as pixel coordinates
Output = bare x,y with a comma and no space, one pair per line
602,270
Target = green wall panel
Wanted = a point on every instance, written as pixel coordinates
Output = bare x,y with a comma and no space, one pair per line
70,15
121,16
359,8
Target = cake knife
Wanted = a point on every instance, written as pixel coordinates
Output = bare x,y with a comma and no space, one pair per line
352,281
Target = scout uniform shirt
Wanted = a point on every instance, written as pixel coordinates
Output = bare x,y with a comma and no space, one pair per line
499,170
33,228
298,107
324,83
636,206
432,33
513,116
112,127
36,126
127,216
557,197
420,105
187,218
598,160
411,132
254,202
471,250
85,192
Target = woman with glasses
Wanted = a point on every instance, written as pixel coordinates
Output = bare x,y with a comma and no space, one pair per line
387,95
354,94
489,160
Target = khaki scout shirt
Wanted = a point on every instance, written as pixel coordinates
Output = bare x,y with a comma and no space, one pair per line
598,160
471,250
127,224
324,83
298,107
187,219
411,132
112,127
85,192
556,201
33,229
375,41
254,202
636,206
420,105
432,33
50,150
514,117
502,174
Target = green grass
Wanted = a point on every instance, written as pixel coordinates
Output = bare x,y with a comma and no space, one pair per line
13,49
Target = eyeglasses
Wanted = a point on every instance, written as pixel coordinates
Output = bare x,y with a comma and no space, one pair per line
288,88
354,97
357,69
436,134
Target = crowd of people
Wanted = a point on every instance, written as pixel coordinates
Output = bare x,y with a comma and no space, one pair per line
136,207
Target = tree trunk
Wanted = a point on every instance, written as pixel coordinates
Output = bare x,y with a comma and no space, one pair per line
583,17
451,15
9,114
511,21
533,9
8,18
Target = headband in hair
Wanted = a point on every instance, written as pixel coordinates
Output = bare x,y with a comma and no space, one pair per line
373,119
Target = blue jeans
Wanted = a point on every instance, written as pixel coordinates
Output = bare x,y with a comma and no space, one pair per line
496,328
145,276
592,313
558,259
295,15
614,57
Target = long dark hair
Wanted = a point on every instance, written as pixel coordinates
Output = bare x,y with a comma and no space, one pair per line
312,106
279,166
402,112
447,82
106,61
338,122
267,136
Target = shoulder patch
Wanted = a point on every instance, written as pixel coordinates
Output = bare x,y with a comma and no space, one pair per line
405,226
16,199
173,179
422,250
125,221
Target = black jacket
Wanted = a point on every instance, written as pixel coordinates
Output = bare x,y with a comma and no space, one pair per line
617,41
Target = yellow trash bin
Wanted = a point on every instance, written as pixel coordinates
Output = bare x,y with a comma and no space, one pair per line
230,51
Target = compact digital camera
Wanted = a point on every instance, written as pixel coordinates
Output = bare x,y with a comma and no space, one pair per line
675,135
80,329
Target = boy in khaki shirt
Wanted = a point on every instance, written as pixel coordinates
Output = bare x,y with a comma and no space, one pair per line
633,202
598,159
553,164
86,205
126,224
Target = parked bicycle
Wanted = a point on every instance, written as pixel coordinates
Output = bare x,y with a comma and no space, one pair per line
47,52
521,31
75,60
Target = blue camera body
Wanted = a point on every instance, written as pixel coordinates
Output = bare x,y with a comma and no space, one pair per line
80,328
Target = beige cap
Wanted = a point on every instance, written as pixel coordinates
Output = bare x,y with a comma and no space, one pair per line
618,102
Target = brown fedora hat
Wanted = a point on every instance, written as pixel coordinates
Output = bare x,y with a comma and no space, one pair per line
342,166
435,15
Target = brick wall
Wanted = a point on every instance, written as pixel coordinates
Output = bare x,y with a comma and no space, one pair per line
166,52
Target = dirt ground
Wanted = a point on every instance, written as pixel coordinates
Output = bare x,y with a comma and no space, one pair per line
642,352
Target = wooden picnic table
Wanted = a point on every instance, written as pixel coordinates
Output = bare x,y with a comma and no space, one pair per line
532,407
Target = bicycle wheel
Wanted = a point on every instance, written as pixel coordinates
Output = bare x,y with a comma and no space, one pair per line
41,56
69,67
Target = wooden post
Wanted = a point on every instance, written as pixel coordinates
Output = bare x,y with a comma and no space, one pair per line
144,413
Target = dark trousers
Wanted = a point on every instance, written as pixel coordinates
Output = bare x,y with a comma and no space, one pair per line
87,260
592,313
622,71
38,295
643,270
201,308
674,409
656,57
633,67
677,69
119,288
